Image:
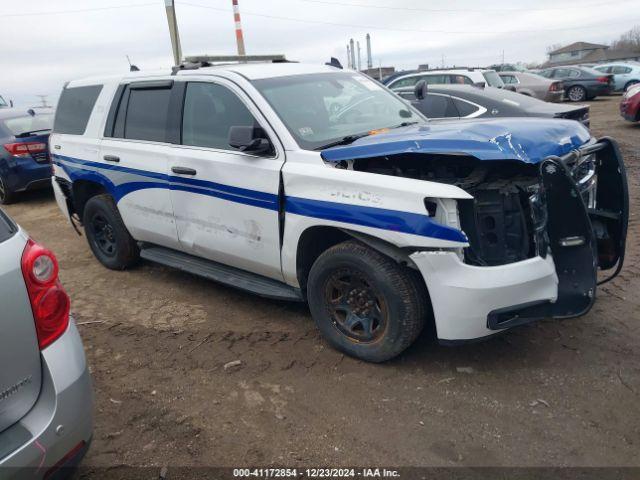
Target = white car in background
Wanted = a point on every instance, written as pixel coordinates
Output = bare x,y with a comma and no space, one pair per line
456,76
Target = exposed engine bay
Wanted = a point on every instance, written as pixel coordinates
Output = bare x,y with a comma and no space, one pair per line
506,219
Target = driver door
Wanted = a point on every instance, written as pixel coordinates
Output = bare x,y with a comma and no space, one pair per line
225,201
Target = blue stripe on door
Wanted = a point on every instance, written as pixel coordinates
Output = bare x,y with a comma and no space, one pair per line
394,220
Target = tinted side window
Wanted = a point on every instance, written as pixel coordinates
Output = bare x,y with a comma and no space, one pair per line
460,80
147,112
464,108
574,73
74,109
509,79
437,106
620,70
210,110
405,82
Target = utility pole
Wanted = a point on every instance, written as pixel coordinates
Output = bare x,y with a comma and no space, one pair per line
502,57
173,31
348,57
359,60
369,59
239,37
43,99
443,60
353,53
379,69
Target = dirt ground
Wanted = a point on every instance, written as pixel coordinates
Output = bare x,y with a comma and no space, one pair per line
556,393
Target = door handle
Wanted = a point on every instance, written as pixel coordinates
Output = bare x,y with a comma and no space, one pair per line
183,170
111,158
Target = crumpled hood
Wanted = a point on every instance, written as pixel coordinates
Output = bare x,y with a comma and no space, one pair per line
529,140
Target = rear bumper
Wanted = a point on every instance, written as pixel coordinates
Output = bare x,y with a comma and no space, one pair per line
630,109
599,89
25,173
60,422
554,97
463,296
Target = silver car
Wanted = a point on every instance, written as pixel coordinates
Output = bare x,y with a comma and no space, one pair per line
533,85
46,402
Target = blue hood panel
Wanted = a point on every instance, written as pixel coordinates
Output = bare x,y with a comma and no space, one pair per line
529,140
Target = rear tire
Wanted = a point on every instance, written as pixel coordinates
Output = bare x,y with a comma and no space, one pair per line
108,238
577,93
365,304
7,196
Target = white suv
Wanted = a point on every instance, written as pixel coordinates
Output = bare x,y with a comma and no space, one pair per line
309,183
458,76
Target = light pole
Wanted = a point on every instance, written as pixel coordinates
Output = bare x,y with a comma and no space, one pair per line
173,31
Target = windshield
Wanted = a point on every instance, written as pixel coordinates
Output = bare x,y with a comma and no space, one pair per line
319,109
29,123
3,103
493,79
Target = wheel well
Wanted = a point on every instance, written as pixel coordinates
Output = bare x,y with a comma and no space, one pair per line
83,190
311,244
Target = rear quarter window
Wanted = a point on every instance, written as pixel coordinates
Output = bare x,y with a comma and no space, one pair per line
74,109
7,227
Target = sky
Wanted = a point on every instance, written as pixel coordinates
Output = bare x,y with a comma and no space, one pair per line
48,42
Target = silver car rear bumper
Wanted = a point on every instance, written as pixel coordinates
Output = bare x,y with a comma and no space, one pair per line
62,418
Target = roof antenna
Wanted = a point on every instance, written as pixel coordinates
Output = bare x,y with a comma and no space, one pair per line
132,68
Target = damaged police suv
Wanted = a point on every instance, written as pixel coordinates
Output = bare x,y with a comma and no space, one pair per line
316,184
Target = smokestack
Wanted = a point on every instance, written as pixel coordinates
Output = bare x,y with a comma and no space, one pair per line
353,53
369,59
348,56
359,62
239,37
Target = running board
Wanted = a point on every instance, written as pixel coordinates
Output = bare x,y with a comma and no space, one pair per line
234,277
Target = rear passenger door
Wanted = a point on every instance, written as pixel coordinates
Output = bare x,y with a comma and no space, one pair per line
226,204
135,155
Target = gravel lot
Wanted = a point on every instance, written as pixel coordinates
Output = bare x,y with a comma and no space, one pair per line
556,393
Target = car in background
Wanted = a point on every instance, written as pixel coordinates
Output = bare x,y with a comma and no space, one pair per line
46,403
580,83
458,76
624,74
464,101
630,104
534,85
506,67
24,151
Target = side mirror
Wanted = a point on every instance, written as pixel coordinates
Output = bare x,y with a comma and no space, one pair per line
420,90
480,84
11,103
511,88
250,139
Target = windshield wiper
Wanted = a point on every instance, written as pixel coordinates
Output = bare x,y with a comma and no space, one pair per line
404,124
343,141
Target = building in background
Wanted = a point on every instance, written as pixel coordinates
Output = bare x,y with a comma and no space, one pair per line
584,52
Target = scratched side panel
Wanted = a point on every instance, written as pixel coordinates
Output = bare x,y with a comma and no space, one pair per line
389,208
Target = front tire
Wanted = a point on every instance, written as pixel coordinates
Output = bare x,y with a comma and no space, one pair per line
577,93
365,304
7,196
108,238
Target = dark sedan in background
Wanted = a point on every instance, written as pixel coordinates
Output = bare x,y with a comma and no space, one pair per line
465,101
580,83
24,151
